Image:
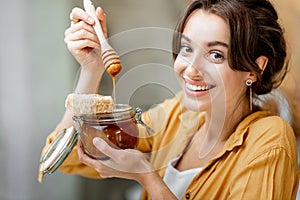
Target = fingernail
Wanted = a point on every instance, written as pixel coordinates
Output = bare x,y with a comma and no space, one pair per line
90,19
99,143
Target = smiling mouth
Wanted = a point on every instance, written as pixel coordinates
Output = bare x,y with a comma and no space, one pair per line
198,87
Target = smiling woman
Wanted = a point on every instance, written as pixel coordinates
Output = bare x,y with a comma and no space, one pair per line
211,136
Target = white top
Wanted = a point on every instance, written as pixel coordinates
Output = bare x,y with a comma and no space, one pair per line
178,181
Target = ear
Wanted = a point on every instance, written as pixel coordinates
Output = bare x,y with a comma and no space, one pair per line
262,62
252,76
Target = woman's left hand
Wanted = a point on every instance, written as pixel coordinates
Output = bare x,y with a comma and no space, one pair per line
128,163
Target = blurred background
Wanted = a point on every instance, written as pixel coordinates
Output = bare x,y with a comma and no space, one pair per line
37,73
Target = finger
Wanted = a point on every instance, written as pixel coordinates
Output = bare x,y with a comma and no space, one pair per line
79,26
73,20
105,148
79,148
80,14
75,46
81,155
82,34
93,163
102,17
85,159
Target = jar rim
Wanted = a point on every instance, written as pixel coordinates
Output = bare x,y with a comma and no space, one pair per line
120,112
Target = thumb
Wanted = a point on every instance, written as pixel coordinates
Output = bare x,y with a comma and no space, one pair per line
105,148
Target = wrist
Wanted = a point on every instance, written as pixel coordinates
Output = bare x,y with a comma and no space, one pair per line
96,67
145,179
155,186
89,80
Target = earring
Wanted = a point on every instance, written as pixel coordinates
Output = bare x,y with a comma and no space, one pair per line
249,84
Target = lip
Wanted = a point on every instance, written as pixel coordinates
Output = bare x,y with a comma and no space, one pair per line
197,88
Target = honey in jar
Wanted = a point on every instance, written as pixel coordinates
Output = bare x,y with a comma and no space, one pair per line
119,129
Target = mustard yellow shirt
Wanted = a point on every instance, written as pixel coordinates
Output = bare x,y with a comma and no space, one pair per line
258,161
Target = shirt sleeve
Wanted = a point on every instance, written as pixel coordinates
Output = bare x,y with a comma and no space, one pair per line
273,171
159,119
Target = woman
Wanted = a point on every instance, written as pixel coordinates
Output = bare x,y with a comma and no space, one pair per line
211,141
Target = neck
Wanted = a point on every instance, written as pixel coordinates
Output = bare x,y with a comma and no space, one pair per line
220,123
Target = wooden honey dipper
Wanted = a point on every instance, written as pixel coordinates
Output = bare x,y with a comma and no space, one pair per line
110,58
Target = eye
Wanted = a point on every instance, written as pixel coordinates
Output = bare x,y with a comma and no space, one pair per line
216,57
185,50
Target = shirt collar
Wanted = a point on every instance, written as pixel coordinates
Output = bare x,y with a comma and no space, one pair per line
191,121
238,136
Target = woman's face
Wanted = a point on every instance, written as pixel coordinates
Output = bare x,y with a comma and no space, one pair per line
202,64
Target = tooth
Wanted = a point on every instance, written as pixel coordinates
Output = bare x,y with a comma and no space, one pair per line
195,87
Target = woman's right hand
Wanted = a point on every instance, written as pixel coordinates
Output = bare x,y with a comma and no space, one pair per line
81,39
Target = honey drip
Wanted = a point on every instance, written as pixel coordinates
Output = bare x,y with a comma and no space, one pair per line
113,67
114,88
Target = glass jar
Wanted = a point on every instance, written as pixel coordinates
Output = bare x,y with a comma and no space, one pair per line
119,129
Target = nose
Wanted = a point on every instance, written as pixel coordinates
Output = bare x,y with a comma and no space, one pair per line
193,69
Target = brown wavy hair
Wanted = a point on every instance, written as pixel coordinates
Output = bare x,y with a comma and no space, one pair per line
254,30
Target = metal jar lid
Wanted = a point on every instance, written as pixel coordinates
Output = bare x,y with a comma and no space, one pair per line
58,150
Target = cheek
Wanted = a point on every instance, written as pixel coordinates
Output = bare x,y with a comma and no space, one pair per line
233,84
179,65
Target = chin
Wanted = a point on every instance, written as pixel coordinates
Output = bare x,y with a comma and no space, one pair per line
196,104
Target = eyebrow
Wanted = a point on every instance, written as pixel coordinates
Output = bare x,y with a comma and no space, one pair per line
185,38
209,44
217,43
